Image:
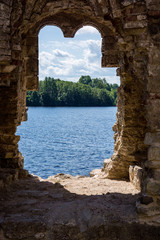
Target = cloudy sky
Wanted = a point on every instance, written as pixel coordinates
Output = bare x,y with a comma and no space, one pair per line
70,58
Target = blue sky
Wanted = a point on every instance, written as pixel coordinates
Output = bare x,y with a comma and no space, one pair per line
70,58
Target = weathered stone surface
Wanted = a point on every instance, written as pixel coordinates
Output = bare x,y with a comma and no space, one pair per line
153,187
45,208
150,138
7,69
130,33
67,207
156,174
152,164
154,153
106,163
95,172
25,115
135,176
135,24
146,200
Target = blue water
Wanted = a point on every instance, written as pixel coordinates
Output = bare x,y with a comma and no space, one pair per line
72,140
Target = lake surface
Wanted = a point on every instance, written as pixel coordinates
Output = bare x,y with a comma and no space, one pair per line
72,140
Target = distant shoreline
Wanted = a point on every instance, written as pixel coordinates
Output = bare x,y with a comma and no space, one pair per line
87,92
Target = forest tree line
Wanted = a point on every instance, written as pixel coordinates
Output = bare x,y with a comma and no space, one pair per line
85,92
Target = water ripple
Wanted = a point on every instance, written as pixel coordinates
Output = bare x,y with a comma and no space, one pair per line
68,140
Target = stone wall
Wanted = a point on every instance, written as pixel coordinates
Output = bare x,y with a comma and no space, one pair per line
151,185
130,41
10,90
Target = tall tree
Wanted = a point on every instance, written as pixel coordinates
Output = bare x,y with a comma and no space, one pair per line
86,92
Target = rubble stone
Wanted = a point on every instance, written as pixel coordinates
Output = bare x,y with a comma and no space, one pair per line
135,176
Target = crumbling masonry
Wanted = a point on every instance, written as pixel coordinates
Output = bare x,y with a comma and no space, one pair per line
130,31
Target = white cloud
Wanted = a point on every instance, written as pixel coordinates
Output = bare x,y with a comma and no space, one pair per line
61,54
87,30
70,59
73,44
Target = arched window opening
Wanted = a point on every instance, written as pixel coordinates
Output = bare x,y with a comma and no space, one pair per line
70,131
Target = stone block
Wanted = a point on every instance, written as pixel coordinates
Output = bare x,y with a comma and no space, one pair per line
30,51
156,174
4,44
149,138
5,59
153,68
152,164
117,166
139,9
115,8
154,13
4,8
146,200
7,69
141,17
31,83
110,60
149,210
25,115
108,47
153,187
4,36
31,41
95,172
16,47
135,24
153,113
126,3
135,176
14,162
117,13
5,83
153,81
31,64
22,173
154,153
153,4
9,155
5,22
108,39
106,163
154,54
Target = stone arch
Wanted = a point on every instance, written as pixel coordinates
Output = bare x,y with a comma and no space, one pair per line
66,17
88,23
69,25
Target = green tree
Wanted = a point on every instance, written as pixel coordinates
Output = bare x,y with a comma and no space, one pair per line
86,92
48,91
85,80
